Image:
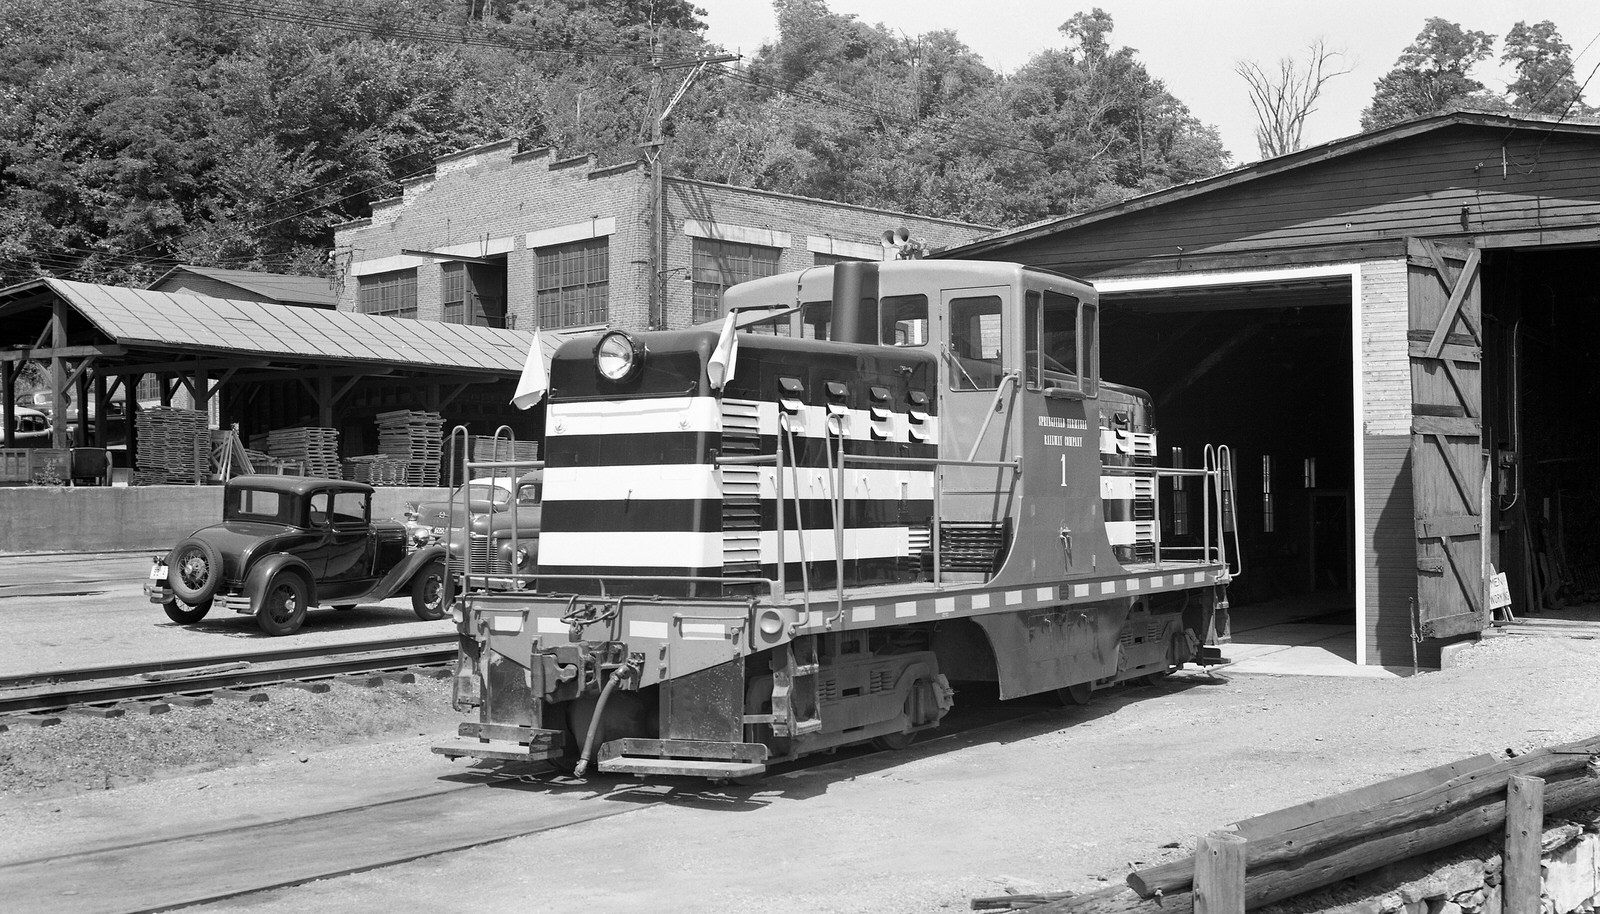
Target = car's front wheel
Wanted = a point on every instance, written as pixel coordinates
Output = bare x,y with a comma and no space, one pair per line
186,613
283,604
427,592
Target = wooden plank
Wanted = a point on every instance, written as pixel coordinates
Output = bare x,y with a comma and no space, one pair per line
1219,874
1293,848
1453,426
1366,797
1449,526
1522,875
1455,352
1467,623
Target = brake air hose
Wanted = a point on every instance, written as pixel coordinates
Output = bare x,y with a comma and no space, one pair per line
599,713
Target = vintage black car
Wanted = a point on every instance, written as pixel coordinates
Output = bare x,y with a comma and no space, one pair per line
287,543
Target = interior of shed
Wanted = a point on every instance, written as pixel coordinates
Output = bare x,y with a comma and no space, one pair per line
1541,312
1265,370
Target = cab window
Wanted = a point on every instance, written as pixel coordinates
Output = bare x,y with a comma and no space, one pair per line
350,509
976,339
319,507
254,504
904,320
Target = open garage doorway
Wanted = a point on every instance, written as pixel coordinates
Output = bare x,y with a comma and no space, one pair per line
1260,362
1541,312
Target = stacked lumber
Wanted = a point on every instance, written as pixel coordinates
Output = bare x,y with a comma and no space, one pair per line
174,446
504,450
316,449
1303,848
416,437
377,469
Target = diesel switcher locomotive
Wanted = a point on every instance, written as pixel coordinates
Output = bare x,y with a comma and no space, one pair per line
793,529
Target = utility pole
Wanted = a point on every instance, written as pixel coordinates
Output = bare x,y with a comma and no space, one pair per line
653,147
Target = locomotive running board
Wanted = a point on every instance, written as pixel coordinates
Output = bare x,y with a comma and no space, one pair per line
503,743
683,757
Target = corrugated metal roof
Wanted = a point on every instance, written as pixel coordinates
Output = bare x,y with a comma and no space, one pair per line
284,287
179,320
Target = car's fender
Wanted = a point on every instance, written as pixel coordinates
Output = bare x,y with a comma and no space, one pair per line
399,577
262,571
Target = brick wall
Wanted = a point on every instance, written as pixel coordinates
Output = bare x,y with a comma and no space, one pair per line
489,201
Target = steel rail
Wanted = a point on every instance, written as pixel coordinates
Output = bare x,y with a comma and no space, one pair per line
117,671
325,665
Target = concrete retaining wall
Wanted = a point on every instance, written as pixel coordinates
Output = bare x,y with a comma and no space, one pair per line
98,519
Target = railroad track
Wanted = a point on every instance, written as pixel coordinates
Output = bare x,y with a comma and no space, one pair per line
163,872
145,683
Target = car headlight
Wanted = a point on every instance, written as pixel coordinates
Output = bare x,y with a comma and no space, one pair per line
618,357
522,557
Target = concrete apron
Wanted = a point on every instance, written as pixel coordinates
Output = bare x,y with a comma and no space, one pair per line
102,519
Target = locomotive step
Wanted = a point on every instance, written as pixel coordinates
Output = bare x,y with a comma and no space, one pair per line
502,749
695,768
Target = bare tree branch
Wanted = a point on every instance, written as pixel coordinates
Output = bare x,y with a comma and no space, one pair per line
1283,100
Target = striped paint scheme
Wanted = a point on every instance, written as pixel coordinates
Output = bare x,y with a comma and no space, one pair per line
630,489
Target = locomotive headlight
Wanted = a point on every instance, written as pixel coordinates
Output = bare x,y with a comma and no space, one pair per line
618,356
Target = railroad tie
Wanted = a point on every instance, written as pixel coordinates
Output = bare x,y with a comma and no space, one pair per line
235,695
27,721
95,711
315,687
187,701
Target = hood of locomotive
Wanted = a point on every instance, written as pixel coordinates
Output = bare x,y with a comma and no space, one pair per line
632,487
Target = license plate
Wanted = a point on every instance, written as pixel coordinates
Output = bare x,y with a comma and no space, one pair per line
438,531
158,572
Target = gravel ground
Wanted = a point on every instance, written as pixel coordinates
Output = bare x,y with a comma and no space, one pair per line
1064,800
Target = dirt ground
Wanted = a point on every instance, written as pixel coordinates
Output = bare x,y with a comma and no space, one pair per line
1067,799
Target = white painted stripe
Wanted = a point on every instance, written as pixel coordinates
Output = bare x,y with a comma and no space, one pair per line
506,624
634,417
864,614
861,543
1108,587
944,605
1124,532
1013,598
812,422
643,629
553,626
1131,584
1045,594
1118,488
1177,580
622,550
1199,577
980,601
869,484
902,610
1080,590
1157,581
703,631
660,482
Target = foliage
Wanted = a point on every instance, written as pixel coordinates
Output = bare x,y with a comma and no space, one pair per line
135,134
1434,74
1543,63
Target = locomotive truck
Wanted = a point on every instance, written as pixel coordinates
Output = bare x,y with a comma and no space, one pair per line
793,531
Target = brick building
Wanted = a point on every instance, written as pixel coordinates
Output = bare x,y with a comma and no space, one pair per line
502,238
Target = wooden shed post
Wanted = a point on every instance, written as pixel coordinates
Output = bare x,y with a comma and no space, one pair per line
1219,873
1523,878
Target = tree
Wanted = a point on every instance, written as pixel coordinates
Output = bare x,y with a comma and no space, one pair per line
1543,64
1284,100
1432,75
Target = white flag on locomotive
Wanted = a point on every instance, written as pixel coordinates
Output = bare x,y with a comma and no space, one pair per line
535,381
719,368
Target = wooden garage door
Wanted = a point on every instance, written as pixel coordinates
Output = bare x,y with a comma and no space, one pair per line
1446,343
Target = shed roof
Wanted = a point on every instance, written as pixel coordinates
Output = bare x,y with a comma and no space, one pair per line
1345,146
182,322
283,287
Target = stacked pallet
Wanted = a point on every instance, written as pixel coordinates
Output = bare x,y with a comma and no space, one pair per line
174,445
376,469
504,450
418,438
317,449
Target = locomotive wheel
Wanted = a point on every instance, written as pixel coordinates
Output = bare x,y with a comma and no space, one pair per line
1075,694
427,592
185,613
283,605
194,571
894,742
